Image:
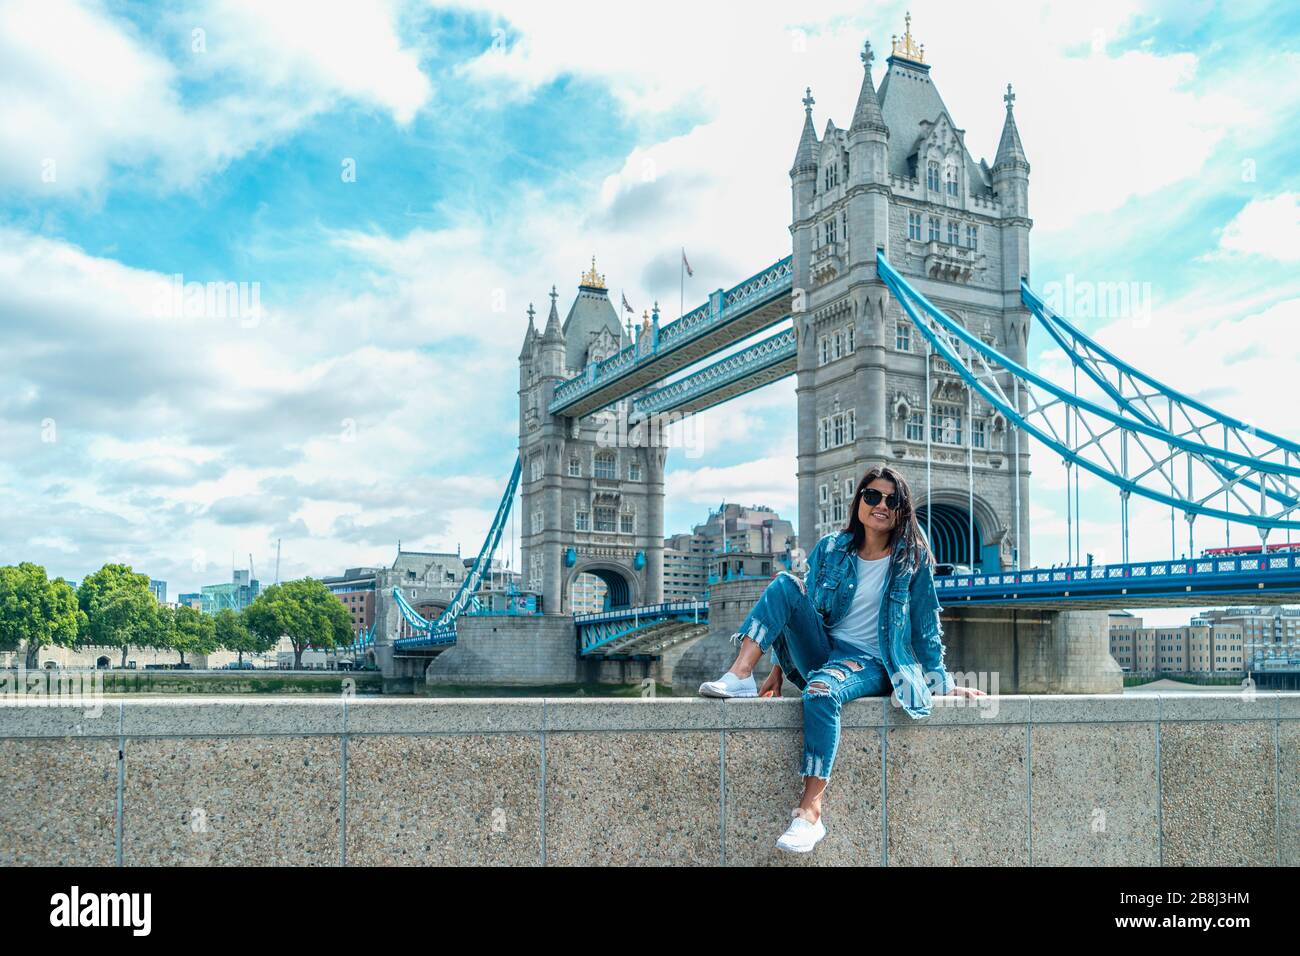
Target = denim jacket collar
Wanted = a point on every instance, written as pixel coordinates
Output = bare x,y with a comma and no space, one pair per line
844,542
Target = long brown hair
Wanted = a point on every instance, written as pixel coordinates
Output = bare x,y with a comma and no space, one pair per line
915,548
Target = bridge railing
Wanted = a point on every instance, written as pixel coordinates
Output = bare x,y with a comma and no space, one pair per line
646,611
761,355
1229,567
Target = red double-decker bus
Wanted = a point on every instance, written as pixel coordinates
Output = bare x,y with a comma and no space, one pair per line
1287,546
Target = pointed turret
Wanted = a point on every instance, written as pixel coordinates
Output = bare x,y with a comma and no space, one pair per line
530,337
803,191
805,157
1010,151
553,332
867,115
868,134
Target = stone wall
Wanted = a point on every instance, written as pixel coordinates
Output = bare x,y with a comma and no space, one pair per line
501,649
1198,779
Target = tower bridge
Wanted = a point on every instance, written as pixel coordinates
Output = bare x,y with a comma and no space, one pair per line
903,312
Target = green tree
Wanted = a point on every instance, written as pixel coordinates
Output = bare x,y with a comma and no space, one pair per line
36,610
232,634
120,610
190,631
306,612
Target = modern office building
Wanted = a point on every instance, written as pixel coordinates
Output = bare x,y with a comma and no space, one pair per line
242,590
192,599
159,589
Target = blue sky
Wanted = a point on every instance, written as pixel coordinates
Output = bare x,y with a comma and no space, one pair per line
496,147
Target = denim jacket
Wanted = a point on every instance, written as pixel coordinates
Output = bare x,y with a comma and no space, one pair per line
910,632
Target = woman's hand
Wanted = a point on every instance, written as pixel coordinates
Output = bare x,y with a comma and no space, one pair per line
772,683
961,691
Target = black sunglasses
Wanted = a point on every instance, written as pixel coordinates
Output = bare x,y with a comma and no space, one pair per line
872,497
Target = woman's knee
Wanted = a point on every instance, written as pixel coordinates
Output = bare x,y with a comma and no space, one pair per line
823,686
789,583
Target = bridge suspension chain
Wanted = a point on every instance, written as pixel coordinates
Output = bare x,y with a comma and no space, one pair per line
442,629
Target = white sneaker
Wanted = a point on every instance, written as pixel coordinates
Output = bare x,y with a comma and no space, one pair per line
801,836
729,685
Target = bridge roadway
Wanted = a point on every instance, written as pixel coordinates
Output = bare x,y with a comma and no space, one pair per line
1205,582
730,316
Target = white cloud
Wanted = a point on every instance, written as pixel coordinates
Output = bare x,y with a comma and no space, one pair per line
172,447
1267,227
89,103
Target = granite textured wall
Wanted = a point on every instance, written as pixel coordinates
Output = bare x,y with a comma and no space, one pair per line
1139,779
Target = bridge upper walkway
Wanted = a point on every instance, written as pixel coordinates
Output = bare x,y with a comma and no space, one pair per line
730,316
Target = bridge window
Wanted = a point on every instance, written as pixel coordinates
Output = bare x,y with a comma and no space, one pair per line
824,434
953,232
903,336
977,433
837,428
945,424
538,522
535,572
627,522
916,426
605,519
950,179
606,467
824,344
851,426
932,176
823,493
831,230
582,521
634,471
934,228
914,226
575,467
840,512
836,344
973,237
536,469
848,340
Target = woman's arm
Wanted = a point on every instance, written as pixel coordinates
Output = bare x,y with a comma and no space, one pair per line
927,631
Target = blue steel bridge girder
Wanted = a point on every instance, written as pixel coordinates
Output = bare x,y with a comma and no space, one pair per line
730,316
1164,469
1162,406
443,629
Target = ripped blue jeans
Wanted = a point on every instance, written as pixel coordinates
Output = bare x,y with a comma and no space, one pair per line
785,622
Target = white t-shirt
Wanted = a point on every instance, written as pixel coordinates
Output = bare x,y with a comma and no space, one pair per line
859,629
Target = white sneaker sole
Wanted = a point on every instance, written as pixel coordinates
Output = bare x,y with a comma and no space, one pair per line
792,848
710,689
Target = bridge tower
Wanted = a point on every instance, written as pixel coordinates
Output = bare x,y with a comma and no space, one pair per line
592,487
900,179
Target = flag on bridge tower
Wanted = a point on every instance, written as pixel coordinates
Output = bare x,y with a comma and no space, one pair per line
626,307
685,271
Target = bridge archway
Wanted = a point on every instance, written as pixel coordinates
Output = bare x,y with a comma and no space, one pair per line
950,533
621,587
